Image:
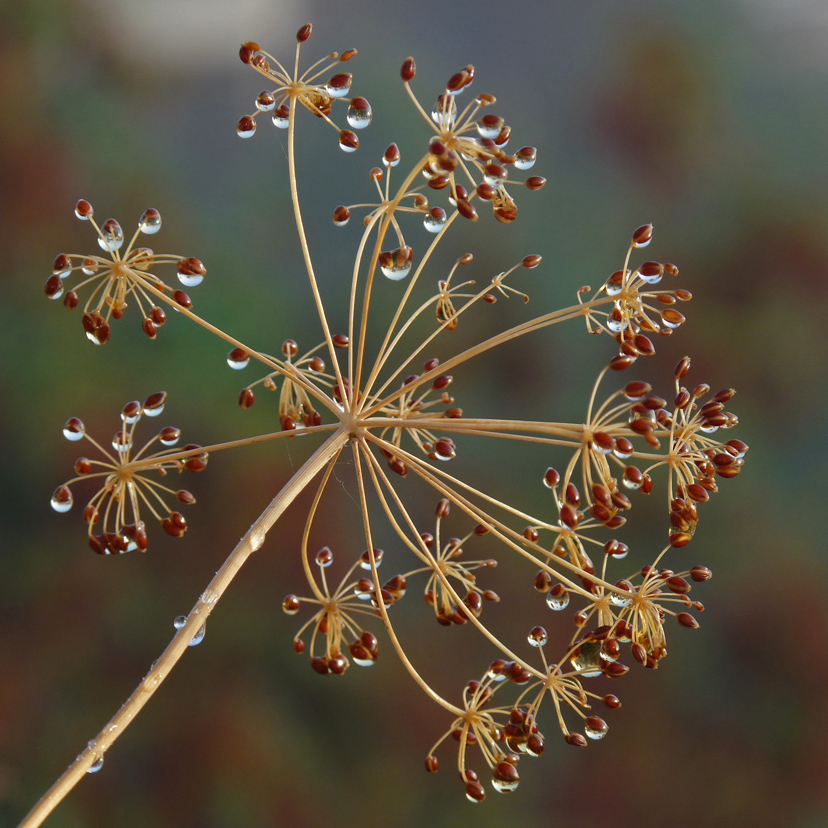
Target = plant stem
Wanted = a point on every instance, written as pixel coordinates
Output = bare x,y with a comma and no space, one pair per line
196,619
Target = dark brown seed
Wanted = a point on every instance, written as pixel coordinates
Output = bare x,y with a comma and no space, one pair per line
246,52
304,33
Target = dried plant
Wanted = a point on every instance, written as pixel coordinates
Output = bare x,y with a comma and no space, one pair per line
378,398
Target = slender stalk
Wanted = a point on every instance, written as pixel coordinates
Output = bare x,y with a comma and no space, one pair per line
252,540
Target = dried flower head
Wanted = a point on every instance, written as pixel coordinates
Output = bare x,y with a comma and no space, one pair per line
125,487
375,397
121,276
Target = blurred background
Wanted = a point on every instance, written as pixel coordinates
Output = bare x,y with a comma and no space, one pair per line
708,119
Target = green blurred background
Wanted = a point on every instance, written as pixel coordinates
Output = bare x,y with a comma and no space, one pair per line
708,119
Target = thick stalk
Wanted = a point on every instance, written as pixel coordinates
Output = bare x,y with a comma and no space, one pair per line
196,619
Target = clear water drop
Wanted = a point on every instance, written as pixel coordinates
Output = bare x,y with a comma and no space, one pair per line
73,430
256,540
112,236
339,85
444,111
62,499
281,117
525,158
435,219
150,221
359,113
96,765
587,659
199,636
89,267
557,600
396,264
180,622
595,727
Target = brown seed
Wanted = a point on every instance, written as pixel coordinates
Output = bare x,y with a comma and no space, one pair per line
304,33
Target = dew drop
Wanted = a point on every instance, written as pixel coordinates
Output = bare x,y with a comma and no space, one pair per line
615,325
180,622
435,219
612,288
339,85
595,727
587,659
246,127
150,221
505,778
359,113
557,598
489,127
619,600
154,404
169,436
265,102
112,236
238,358
209,596
199,636
396,264
62,499
348,142
281,117
89,267
445,110
73,430
525,158
96,765
54,288
122,441
256,540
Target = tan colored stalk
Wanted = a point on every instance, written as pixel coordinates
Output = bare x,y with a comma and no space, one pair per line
197,617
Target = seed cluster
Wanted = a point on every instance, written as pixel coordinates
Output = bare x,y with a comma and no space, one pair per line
376,398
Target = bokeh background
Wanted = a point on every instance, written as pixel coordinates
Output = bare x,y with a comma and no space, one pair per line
707,118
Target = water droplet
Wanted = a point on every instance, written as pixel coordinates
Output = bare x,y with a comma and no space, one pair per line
89,267
169,436
122,441
73,430
505,778
615,325
83,210
619,600
587,659
348,142
62,499
445,111
339,85
180,622
199,636
396,264
265,102
359,113
595,727
112,236
246,127
435,219
150,222
256,540
525,158
131,412
154,404
238,358
557,598
489,126
187,277
281,117
96,765
209,596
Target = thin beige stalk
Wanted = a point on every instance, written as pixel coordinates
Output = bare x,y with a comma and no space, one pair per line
252,540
